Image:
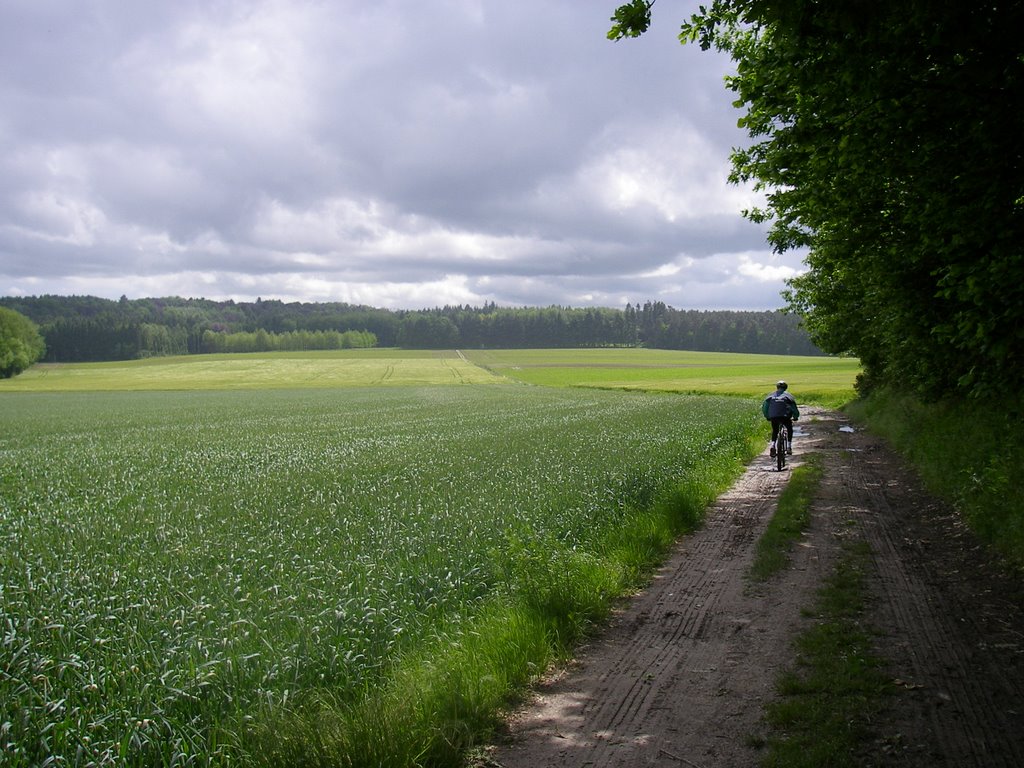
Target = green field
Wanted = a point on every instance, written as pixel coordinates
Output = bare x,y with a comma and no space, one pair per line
825,380
282,571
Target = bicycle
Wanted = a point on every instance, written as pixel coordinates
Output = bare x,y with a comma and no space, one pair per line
782,446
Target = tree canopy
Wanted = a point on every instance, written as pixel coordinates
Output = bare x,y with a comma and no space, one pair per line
887,139
20,343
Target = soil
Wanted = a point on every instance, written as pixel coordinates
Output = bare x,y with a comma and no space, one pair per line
682,673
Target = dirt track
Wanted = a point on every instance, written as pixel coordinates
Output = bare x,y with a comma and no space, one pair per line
681,675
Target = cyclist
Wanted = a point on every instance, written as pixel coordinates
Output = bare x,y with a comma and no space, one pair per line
780,408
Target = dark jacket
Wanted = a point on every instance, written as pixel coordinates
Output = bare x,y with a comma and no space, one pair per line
780,405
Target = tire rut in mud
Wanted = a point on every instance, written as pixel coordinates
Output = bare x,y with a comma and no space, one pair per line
949,617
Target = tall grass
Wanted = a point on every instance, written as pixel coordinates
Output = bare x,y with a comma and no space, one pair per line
321,577
969,452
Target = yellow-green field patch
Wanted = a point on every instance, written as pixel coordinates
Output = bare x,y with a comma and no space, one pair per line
269,370
826,380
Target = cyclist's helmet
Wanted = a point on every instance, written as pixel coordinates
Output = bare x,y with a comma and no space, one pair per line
782,385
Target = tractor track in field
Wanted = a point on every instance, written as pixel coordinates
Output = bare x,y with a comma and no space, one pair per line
682,673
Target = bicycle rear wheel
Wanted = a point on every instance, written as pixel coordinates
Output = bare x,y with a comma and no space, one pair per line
781,443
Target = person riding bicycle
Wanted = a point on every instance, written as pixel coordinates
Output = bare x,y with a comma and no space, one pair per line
780,408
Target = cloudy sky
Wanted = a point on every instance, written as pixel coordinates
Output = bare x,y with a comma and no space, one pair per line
394,153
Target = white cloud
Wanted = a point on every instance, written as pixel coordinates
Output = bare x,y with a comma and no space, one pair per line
665,171
59,218
670,169
391,153
765,271
243,74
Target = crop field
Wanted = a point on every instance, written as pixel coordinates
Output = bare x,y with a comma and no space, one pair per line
209,574
205,577
272,370
824,380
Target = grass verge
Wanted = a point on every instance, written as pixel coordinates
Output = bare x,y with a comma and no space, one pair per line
789,521
827,702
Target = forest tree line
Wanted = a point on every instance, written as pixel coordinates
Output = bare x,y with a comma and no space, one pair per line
91,329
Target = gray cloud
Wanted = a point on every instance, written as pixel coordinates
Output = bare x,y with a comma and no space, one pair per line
395,154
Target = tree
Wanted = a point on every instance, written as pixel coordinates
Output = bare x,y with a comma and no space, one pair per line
427,331
21,345
631,20
887,139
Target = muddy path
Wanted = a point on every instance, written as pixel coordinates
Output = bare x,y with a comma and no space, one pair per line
682,673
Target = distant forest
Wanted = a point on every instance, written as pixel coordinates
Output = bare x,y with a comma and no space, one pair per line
87,328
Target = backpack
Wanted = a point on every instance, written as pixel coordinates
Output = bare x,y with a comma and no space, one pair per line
778,405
